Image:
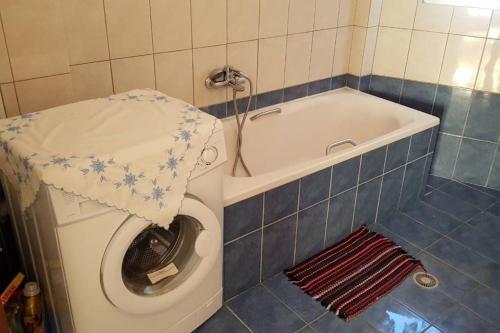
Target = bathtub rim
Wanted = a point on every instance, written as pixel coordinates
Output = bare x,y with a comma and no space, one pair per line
237,189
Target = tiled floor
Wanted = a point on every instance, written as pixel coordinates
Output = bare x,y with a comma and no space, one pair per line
455,231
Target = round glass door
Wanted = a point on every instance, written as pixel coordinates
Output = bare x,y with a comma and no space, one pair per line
158,257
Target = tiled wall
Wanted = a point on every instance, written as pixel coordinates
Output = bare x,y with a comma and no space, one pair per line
273,230
58,51
443,60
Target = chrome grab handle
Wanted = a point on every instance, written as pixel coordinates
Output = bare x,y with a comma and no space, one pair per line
339,143
265,113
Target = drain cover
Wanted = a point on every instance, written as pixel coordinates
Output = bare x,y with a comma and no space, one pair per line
425,280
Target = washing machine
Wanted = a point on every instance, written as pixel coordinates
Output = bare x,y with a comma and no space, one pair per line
104,270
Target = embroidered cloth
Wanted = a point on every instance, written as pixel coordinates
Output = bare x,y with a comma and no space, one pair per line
134,151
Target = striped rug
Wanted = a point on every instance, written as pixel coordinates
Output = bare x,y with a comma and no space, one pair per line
355,273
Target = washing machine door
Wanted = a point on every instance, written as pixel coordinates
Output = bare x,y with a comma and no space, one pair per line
148,268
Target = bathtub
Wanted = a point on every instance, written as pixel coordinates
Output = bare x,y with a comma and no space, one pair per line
282,147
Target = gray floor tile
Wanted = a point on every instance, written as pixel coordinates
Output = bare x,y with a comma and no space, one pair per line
262,312
485,302
222,322
330,323
412,231
451,282
479,241
433,218
451,205
408,247
422,301
389,315
468,194
304,305
461,320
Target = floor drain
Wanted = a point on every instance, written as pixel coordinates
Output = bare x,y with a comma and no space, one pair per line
425,280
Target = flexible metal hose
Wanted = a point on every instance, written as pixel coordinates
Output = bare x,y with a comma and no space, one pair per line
240,124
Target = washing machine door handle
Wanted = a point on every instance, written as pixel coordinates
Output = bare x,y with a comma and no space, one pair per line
207,247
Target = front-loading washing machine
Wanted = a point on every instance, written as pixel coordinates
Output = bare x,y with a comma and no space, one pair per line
104,270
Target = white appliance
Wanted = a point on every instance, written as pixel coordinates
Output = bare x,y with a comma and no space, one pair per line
103,270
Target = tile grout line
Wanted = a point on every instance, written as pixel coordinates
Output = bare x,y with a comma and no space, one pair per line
356,196
238,318
381,185
328,206
296,223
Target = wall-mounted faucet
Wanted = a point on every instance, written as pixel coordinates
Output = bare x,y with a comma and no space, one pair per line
227,77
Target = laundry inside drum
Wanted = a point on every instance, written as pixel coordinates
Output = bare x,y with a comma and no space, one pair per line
159,259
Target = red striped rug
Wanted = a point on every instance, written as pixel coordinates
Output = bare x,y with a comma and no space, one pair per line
355,273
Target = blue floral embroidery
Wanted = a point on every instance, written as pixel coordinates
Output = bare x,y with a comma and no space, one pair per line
98,166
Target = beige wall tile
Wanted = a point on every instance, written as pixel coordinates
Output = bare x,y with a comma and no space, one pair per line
205,60
391,52
357,50
431,17
35,38
171,23
92,80
342,51
398,13
461,61
85,30
323,47
489,72
362,13
5,72
2,109
129,27
369,53
242,20
9,97
273,18
133,73
301,16
470,21
243,56
209,22
298,59
271,70
327,14
347,11
426,56
44,93
375,12
495,25
174,74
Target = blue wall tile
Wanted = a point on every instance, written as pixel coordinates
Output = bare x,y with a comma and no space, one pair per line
372,164
338,81
311,231
474,161
340,216
217,110
451,107
484,117
242,105
419,144
269,98
386,87
315,188
352,81
397,153
278,246
418,95
319,86
364,83
280,202
494,180
345,175
242,217
389,197
412,183
367,203
295,92
445,156
242,264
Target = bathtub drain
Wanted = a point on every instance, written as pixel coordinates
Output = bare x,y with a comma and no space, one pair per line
425,280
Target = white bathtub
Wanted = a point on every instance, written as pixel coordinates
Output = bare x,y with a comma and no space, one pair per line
280,148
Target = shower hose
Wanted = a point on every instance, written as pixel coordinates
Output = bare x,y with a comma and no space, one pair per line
240,123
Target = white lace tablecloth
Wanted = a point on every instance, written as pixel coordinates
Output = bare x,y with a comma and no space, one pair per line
134,151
